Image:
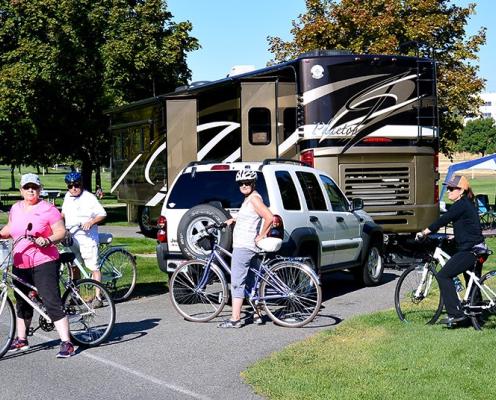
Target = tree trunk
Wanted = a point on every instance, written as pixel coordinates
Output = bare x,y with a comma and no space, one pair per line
12,177
87,169
98,176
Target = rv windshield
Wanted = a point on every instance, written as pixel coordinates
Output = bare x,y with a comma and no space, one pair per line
204,187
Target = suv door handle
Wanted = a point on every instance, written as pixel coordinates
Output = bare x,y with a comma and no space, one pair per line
340,219
313,218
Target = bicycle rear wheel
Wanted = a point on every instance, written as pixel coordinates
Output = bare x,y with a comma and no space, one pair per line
417,297
118,268
198,292
291,294
7,323
484,314
88,326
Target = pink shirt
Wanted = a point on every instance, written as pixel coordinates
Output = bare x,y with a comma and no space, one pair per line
26,253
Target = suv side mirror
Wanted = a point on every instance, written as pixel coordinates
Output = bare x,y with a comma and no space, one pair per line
356,204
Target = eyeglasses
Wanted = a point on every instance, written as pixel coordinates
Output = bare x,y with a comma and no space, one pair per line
245,183
31,186
450,189
73,185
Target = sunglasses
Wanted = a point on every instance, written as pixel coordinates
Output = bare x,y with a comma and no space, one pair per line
73,185
450,189
245,183
30,186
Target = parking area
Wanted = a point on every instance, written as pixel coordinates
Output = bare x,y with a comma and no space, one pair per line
153,353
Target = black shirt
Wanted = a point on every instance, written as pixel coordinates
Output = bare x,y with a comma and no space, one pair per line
466,225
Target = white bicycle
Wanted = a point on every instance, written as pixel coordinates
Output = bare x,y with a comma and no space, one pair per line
417,297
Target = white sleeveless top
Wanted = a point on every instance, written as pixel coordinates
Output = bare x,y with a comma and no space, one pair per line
247,225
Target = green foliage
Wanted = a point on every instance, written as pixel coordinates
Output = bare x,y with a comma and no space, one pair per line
62,63
382,26
478,136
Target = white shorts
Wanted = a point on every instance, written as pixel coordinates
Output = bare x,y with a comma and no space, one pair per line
87,249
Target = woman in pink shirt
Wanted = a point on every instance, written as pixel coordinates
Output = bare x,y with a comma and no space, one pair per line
37,262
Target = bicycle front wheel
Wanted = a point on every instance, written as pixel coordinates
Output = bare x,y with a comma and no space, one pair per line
90,320
483,303
7,323
417,297
118,268
198,292
291,294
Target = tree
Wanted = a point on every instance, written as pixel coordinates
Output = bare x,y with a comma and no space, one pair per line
63,63
433,28
479,136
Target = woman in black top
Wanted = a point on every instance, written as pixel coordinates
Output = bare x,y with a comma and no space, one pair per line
468,234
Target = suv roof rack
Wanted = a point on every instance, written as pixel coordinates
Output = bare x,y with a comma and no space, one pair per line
268,161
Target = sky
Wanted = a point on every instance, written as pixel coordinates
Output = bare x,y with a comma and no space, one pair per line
234,32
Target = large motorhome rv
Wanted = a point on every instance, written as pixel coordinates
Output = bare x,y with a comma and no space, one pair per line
368,120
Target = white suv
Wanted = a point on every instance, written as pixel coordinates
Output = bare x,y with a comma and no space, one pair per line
319,221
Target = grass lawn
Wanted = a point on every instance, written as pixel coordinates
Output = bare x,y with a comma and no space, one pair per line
378,357
150,280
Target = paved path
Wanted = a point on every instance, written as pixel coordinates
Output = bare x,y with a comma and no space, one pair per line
121,231
155,354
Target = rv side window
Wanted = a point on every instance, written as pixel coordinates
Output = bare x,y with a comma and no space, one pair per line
312,191
287,188
259,126
337,199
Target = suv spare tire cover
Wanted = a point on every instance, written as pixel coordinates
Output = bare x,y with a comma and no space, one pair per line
196,219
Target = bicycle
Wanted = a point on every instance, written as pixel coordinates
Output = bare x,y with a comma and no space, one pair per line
417,297
117,265
87,326
288,289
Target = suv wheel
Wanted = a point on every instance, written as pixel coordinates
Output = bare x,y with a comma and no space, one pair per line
147,227
195,220
370,273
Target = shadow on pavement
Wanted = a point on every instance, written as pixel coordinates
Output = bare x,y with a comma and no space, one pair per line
335,284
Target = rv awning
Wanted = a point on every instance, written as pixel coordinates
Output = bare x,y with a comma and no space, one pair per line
487,162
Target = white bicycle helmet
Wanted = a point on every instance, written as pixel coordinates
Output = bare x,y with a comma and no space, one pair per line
246,175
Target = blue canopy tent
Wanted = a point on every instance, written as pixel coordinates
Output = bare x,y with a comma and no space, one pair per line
487,162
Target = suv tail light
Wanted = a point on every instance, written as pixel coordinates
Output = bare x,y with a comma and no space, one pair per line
277,228
162,229
307,158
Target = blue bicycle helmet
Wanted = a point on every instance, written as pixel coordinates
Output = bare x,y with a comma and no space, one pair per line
72,177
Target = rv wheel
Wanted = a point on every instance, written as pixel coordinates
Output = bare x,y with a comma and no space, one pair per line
193,222
146,223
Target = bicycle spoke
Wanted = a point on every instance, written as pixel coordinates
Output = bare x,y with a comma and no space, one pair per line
291,295
483,303
417,296
198,293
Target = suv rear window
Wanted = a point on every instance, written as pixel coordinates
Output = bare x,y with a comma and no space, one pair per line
206,186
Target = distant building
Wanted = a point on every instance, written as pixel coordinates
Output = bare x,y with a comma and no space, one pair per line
488,110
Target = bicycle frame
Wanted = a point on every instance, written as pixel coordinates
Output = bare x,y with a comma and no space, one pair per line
442,258
6,285
259,274
103,249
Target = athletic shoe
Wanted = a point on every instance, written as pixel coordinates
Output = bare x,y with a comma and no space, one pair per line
66,350
19,345
230,324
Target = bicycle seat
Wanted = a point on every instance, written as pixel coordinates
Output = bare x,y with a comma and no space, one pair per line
269,244
67,257
105,238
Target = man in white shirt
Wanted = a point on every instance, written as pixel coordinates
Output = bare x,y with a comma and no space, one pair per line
82,212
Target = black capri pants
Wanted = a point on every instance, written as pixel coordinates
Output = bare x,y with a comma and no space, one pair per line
46,279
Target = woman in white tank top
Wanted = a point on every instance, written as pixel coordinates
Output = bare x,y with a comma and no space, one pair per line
251,215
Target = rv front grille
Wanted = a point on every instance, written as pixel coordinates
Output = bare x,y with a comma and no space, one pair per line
382,187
